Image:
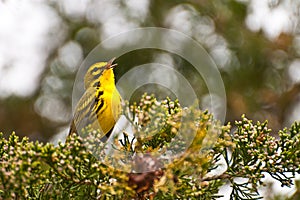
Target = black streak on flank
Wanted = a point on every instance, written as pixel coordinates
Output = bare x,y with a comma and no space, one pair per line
100,93
99,106
96,104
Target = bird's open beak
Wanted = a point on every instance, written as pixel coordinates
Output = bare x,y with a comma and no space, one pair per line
110,63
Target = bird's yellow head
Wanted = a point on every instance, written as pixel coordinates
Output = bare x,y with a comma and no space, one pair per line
100,74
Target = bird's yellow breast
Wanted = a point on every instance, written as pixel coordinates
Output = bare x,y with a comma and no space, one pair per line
111,110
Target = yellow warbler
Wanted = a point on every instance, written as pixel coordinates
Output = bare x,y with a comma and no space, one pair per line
100,105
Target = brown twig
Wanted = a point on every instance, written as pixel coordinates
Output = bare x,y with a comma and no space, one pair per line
216,177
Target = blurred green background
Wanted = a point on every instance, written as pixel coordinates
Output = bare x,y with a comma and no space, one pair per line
255,44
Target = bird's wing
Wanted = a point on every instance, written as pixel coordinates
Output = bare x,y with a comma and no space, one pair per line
85,114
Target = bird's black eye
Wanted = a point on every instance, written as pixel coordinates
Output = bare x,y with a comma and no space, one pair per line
95,71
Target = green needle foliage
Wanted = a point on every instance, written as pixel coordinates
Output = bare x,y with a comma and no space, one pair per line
255,152
71,170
